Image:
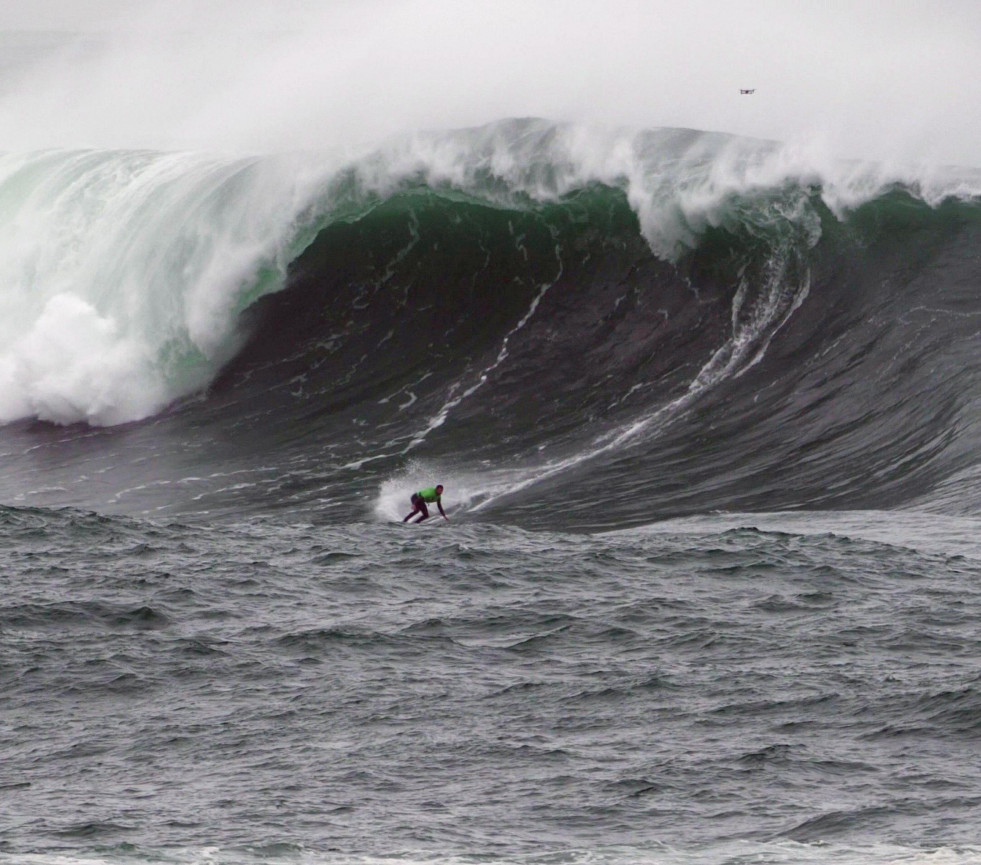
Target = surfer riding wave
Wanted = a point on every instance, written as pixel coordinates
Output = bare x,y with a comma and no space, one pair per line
425,497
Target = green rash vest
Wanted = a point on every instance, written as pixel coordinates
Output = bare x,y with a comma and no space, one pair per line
429,495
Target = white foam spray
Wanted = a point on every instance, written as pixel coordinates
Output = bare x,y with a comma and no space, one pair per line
122,274
127,253
778,852
462,490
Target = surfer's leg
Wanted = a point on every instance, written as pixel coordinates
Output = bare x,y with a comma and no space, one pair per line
421,505
415,507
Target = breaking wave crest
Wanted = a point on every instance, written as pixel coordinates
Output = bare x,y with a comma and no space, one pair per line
634,324
124,274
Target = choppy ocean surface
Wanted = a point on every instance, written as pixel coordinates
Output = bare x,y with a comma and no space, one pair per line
708,416
728,689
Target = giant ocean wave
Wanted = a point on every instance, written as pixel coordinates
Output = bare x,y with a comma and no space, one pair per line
581,326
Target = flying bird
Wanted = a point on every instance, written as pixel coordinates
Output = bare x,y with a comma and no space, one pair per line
745,92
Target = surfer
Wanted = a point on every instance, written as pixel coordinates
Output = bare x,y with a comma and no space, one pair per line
422,498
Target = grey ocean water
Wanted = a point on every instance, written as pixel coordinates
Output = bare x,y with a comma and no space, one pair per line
708,425
289,693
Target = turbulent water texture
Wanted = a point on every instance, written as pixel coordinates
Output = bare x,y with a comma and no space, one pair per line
299,693
706,412
583,328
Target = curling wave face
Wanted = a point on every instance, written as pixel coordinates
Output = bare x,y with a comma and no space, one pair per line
580,326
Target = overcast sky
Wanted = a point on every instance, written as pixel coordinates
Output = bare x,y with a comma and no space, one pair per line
893,78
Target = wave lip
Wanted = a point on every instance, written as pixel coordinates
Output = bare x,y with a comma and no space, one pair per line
124,273
514,305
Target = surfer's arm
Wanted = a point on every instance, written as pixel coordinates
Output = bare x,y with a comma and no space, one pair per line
439,504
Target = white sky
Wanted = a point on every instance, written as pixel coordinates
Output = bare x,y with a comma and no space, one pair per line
893,78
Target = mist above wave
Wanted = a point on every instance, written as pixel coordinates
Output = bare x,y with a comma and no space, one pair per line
263,76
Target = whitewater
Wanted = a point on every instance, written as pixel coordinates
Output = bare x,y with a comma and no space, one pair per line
706,407
128,272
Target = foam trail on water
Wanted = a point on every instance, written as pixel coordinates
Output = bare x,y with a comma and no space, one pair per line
729,853
455,399
752,331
